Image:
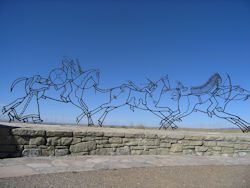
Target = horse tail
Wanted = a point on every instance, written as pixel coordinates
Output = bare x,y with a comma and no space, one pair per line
16,82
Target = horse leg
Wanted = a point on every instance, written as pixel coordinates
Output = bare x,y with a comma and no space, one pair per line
242,124
102,118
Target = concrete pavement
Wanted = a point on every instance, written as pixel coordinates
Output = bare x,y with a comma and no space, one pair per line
15,167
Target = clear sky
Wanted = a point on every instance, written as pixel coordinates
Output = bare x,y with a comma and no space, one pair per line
126,40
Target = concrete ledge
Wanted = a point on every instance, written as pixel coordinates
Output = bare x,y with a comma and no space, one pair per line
18,139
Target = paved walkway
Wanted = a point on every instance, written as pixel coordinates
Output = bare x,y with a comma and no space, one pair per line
16,167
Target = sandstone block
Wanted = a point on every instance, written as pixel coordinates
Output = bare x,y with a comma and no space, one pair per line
61,152
48,151
95,133
83,147
37,141
116,140
165,145
201,148
20,140
80,134
53,141
244,139
76,140
227,150
136,152
114,134
209,143
105,151
162,151
241,146
214,138
192,142
123,151
176,148
188,151
191,137
101,141
65,141
216,148
176,137
59,133
230,139
150,142
31,152
134,135
151,136
27,132
225,144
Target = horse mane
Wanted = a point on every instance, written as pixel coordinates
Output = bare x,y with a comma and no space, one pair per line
212,82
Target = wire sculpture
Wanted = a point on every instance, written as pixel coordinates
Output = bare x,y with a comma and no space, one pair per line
71,83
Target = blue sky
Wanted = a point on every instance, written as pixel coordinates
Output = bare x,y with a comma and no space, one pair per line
126,40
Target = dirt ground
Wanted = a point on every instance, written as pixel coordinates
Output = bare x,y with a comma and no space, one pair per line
167,177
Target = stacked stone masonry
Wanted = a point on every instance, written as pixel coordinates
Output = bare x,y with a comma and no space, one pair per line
33,142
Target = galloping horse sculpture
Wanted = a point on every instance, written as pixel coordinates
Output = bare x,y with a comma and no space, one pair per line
71,84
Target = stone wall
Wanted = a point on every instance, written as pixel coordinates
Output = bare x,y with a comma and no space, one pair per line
39,141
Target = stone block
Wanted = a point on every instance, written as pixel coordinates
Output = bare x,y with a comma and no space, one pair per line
216,148
227,150
151,136
176,148
243,139
20,140
241,146
53,141
101,141
88,138
31,152
230,139
192,142
165,145
59,133
48,151
176,136
114,134
76,140
188,152
95,133
83,147
152,151
214,138
150,142
61,152
123,151
162,151
193,137
209,143
116,145
65,141
37,141
225,144
105,151
79,134
116,140
136,152
30,146
201,148
27,132
134,135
